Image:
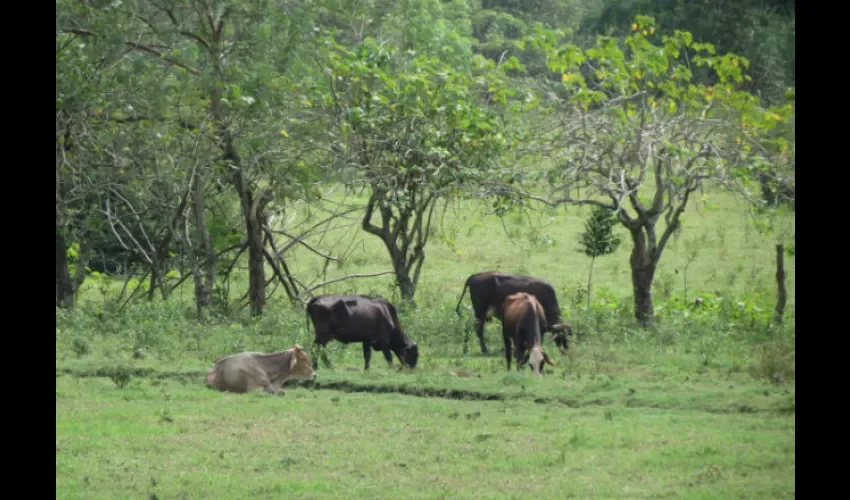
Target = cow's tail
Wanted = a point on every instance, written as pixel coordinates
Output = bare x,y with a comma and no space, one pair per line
462,293
307,312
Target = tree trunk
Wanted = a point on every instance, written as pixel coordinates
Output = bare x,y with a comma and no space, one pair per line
406,286
64,286
256,267
402,275
154,281
256,258
204,279
643,272
589,280
642,284
251,210
782,294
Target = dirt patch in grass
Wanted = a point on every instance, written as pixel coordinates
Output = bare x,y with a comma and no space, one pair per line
410,390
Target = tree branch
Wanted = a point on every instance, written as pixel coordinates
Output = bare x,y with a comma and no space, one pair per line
112,221
270,258
300,240
78,31
144,48
673,221
197,38
335,280
658,201
367,219
241,246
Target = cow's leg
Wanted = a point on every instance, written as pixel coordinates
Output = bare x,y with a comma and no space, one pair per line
315,356
388,355
320,348
367,354
508,352
252,373
479,330
520,357
560,339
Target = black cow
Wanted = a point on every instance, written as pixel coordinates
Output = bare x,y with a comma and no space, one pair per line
360,318
488,291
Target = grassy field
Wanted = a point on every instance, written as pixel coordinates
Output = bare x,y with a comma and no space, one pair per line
178,440
700,406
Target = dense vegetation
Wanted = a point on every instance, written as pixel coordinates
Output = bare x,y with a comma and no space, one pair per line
218,163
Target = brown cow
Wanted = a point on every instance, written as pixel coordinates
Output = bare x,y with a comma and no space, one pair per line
247,371
523,318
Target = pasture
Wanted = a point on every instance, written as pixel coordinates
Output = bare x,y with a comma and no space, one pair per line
699,406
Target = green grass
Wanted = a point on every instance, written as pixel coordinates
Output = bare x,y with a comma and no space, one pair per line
699,406
685,416
179,440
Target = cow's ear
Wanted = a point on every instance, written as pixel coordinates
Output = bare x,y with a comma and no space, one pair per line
293,361
299,348
547,359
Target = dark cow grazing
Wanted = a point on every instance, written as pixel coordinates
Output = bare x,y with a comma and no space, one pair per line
361,318
488,291
247,371
523,317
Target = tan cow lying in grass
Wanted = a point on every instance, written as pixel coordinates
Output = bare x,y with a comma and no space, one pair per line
522,324
247,371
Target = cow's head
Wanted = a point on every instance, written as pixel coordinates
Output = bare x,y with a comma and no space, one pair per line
411,354
299,364
559,335
536,358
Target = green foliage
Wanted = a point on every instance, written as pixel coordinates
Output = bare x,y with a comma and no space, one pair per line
599,238
120,375
410,102
774,362
415,128
419,117
81,347
632,117
761,31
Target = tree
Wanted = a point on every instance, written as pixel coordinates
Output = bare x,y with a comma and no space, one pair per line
83,158
413,129
762,31
598,239
230,64
632,120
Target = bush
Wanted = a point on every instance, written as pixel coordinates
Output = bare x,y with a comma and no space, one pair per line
774,362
